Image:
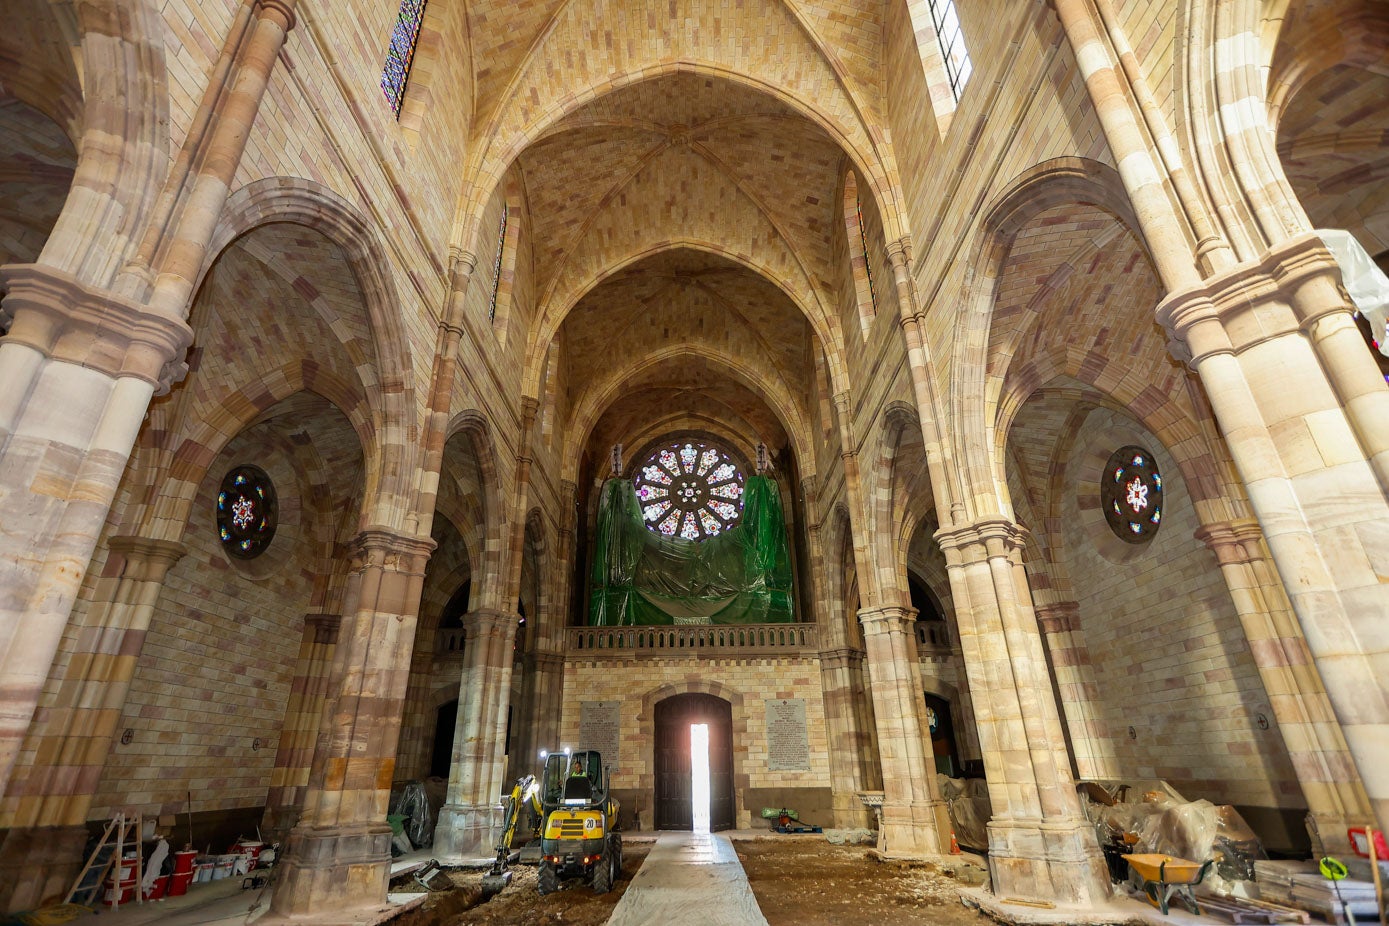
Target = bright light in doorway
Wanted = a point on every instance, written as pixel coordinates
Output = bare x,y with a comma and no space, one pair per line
699,776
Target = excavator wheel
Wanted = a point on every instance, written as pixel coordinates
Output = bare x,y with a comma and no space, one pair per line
604,872
617,857
548,880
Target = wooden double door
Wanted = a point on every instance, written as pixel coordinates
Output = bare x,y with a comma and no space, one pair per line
674,718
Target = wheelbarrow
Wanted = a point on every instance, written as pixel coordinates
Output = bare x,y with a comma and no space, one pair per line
1161,877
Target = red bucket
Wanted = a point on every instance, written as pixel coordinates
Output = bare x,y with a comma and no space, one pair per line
126,893
161,885
178,883
183,861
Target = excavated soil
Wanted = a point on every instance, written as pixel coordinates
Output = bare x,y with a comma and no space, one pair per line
574,904
800,882
797,882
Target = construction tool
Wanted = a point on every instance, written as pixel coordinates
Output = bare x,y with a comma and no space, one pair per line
499,876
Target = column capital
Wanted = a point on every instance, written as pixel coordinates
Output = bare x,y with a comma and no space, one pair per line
61,317
489,619
1060,617
386,548
886,619
841,656
282,11
1277,294
981,540
899,251
1232,542
325,627
146,558
462,262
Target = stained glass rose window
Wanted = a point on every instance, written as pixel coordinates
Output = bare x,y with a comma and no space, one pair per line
1131,494
690,489
246,512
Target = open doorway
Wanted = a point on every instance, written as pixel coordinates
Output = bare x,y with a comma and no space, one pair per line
694,763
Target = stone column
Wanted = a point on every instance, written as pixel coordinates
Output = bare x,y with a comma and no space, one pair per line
1040,844
72,736
308,693
77,370
340,851
470,822
1325,771
849,723
1269,340
1078,689
912,812
548,675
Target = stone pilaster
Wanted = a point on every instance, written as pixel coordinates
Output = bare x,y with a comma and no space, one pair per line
912,810
77,370
308,694
1325,771
849,721
1078,689
1302,413
1040,844
471,820
340,851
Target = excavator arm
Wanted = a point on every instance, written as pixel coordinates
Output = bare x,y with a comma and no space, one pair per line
526,791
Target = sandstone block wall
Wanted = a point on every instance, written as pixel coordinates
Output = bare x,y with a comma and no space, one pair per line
640,683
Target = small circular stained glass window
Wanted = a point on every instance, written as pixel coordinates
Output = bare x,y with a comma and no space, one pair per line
690,489
246,512
1131,494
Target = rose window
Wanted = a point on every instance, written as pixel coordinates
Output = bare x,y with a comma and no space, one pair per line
1131,494
246,512
690,489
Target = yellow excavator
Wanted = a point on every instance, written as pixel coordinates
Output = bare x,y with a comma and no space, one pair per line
579,837
525,793
577,825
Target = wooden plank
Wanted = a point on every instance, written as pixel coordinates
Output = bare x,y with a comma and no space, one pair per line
1241,910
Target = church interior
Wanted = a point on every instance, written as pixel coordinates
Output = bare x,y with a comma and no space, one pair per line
914,392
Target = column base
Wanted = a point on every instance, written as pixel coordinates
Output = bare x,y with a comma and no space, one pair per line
467,832
1057,862
849,813
335,869
38,865
911,830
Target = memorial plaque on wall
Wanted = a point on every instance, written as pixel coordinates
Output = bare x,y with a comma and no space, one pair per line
788,744
600,728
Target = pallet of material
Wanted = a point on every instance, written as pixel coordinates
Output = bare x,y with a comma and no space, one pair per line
1244,910
1320,896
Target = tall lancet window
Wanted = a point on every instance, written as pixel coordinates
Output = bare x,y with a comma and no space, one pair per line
497,264
401,52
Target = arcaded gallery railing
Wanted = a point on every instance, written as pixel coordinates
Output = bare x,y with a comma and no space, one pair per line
694,640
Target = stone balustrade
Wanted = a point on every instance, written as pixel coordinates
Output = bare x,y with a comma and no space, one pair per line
704,640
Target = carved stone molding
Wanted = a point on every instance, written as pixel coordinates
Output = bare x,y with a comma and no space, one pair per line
60,317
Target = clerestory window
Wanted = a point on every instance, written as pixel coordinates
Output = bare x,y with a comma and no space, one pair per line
952,45
400,54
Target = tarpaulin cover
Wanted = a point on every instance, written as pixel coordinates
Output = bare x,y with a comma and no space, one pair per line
741,576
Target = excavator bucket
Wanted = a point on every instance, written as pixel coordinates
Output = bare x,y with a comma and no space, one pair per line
494,882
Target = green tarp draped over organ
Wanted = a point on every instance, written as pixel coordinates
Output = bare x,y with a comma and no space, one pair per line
741,576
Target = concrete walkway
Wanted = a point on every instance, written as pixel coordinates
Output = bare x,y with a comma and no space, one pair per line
689,878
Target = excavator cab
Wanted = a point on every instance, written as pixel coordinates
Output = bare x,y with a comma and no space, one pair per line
578,833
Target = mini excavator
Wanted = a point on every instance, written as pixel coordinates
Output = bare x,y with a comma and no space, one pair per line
577,825
524,794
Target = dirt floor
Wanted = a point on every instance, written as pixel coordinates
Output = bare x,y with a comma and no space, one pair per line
574,904
801,882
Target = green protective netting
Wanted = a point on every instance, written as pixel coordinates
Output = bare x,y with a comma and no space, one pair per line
741,576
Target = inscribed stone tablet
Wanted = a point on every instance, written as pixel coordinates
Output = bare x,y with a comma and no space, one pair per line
788,745
600,728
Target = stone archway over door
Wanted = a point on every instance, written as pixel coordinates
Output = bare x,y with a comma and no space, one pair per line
674,717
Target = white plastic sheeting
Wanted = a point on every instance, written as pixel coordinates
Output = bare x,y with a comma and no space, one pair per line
1365,283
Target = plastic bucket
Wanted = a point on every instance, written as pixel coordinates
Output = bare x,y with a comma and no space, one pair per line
249,848
204,872
128,867
125,892
161,886
178,883
223,866
183,861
